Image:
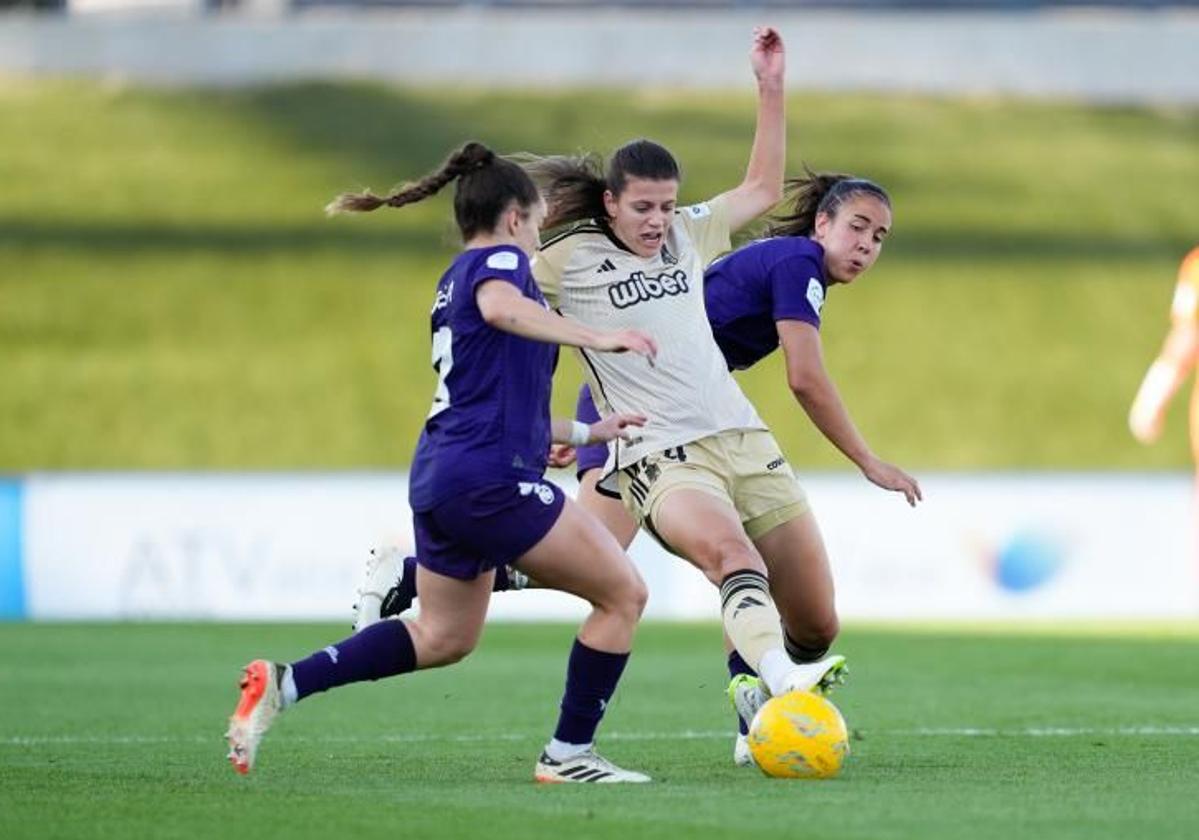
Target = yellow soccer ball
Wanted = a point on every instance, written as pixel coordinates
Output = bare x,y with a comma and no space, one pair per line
799,735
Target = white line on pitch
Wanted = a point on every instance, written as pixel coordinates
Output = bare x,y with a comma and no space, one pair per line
682,735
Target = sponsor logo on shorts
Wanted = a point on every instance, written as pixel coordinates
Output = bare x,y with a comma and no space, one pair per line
543,492
776,463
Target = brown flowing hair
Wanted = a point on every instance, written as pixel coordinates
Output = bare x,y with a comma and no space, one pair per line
486,185
814,193
574,186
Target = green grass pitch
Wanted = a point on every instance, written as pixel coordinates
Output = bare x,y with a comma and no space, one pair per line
115,731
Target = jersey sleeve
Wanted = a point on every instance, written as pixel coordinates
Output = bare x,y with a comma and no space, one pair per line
508,264
708,226
796,292
1185,307
548,267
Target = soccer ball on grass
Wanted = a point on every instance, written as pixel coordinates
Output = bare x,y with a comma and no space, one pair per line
799,735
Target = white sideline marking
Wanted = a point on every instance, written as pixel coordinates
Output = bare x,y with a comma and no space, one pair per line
682,735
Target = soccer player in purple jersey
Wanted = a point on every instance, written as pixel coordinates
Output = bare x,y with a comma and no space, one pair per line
477,486
766,294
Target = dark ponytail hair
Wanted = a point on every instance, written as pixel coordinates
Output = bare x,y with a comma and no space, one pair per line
574,186
487,185
820,192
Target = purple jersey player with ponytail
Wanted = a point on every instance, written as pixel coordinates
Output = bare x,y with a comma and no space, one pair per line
478,493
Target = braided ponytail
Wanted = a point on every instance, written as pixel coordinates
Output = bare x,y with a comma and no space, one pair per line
486,184
470,157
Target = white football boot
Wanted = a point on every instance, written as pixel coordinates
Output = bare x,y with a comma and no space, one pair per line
260,701
820,677
747,694
585,767
742,757
383,569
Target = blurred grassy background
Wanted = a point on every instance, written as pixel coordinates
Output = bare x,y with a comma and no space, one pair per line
171,295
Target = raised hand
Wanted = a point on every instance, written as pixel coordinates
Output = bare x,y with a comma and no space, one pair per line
767,56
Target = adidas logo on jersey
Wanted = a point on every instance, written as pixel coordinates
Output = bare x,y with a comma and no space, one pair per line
606,265
639,288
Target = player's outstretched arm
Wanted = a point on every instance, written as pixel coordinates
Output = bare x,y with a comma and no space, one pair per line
763,184
613,426
815,391
1163,379
505,308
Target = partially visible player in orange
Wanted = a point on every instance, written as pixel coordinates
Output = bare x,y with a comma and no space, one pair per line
1173,364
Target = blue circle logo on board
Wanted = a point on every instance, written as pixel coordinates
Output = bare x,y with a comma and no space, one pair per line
1027,559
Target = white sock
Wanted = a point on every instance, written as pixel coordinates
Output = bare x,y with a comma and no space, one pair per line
774,667
562,751
287,688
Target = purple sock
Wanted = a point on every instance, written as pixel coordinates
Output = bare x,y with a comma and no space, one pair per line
381,650
591,678
737,665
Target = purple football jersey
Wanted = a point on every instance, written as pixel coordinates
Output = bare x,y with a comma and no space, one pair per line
747,290
589,456
490,420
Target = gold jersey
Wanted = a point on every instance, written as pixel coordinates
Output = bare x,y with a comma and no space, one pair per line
688,393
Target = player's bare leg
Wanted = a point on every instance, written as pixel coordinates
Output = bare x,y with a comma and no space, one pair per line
707,531
579,556
801,582
611,512
447,629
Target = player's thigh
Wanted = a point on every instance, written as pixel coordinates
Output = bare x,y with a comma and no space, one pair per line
452,612
580,556
704,528
801,579
609,511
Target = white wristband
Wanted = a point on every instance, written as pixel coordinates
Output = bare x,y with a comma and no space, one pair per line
580,433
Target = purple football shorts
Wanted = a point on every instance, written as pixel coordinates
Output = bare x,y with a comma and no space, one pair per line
485,527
